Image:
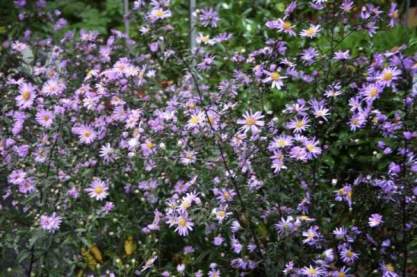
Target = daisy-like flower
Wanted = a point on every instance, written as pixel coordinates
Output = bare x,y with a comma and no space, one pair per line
388,270
341,55
107,153
312,271
280,142
209,17
309,55
311,32
348,256
26,96
340,233
277,161
53,87
221,213
298,124
345,194
312,235
86,134
251,122
343,272
286,226
45,118
158,13
148,148
286,27
319,109
275,78
371,92
51,222
375,220
27,186
184,224
387,76
357,121
196,120
313,150
188,157
98,189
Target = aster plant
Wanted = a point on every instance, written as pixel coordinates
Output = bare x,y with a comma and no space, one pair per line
290,155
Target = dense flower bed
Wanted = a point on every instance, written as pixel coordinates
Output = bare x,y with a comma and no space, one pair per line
129,156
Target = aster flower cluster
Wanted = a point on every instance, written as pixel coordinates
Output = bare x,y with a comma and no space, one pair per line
297,157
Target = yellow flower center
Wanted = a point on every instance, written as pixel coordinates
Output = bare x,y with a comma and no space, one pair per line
387,76
287,25
45,117
150,145
221,214
310,147
205,39
355,122
250,120
159,13
341,274
87,134
26,95
182,222
349,253
281,143
373,92
194,120
390,267
310,235
312,271
275,76
299,124
311,31
98,189
185,204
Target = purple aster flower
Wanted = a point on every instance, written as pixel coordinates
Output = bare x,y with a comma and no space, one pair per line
251,122
158,13
348,256
312,271
86,134
218,240
209,17
387,76
298,124
286,226
51,222
393,14
274,77
311,32
312,236
26,95
341,55
319,109
183,224
309,55
53,87
280,142
388,270
283,26
345,194
375,220
98,189
277,161
45,118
